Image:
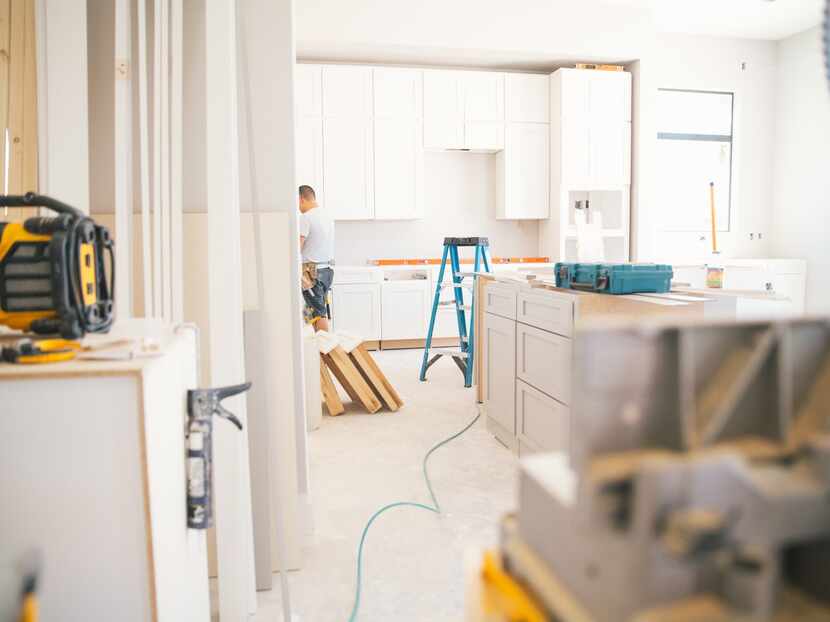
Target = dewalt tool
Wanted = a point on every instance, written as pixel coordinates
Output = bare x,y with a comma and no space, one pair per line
27,351
53,275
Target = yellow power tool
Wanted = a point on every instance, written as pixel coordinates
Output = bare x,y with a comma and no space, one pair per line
53,276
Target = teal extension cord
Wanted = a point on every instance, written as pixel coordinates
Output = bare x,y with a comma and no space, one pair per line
435,508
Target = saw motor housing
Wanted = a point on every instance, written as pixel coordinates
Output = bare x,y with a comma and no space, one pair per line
53,273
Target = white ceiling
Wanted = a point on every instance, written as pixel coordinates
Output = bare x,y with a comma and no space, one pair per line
748,19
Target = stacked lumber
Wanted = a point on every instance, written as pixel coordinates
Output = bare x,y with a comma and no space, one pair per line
347,359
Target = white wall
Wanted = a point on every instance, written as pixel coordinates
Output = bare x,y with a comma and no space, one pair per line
705,63
472,32
459,200
801,218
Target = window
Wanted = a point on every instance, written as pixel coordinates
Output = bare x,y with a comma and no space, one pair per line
694,135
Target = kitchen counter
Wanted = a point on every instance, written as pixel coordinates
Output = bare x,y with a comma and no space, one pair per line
524,342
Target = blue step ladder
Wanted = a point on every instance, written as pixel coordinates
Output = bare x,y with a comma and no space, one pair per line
464,354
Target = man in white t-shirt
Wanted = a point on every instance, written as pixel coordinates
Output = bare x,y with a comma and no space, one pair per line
317,246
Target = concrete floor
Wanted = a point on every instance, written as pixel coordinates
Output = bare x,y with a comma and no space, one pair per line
413,559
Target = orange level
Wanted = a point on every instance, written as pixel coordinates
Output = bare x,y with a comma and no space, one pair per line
437,261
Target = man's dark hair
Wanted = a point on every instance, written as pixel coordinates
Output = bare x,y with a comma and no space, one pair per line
307,192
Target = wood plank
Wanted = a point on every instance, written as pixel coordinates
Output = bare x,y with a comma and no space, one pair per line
375,378
330,397
17,46
348,375
335,369
5,30
29,149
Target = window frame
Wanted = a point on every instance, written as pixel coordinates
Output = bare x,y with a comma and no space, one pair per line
719,138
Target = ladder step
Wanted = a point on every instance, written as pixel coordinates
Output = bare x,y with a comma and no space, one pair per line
442,307
468,286
463,275
448,352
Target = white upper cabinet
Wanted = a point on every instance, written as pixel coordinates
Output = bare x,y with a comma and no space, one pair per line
463,110
592,111
483,110
308,91
602,94
398,174
524,167
483,95
347,168
398,93
526,97
309,154
347,92
347,141
443,110
398,143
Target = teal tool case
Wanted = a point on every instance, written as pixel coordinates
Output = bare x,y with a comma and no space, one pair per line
613,278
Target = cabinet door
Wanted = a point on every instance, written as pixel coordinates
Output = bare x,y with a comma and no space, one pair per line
609,95
543,360
397,93
484,135
526,97
443,111
308,91
347,92
499,345
574,92
575,153
405,308
309,154
610,153
542,422
398,174
526,179
483,95
346,168
356,310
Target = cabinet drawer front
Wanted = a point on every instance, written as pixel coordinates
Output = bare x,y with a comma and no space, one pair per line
543,360
356,275
500,370
541,420
547,311
500,300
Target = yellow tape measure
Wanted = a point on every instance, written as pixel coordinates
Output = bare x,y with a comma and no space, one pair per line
27,351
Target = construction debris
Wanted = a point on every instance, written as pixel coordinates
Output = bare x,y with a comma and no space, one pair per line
347,358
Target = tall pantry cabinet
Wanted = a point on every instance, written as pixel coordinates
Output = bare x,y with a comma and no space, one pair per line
590,161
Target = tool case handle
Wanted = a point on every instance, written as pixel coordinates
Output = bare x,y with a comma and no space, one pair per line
30,199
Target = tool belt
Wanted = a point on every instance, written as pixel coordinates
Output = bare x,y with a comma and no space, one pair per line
309,275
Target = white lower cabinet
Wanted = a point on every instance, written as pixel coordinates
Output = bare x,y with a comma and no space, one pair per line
405,309
356,309
544,361
499,345
542,423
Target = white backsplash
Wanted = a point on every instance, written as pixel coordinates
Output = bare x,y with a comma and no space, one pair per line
459,200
